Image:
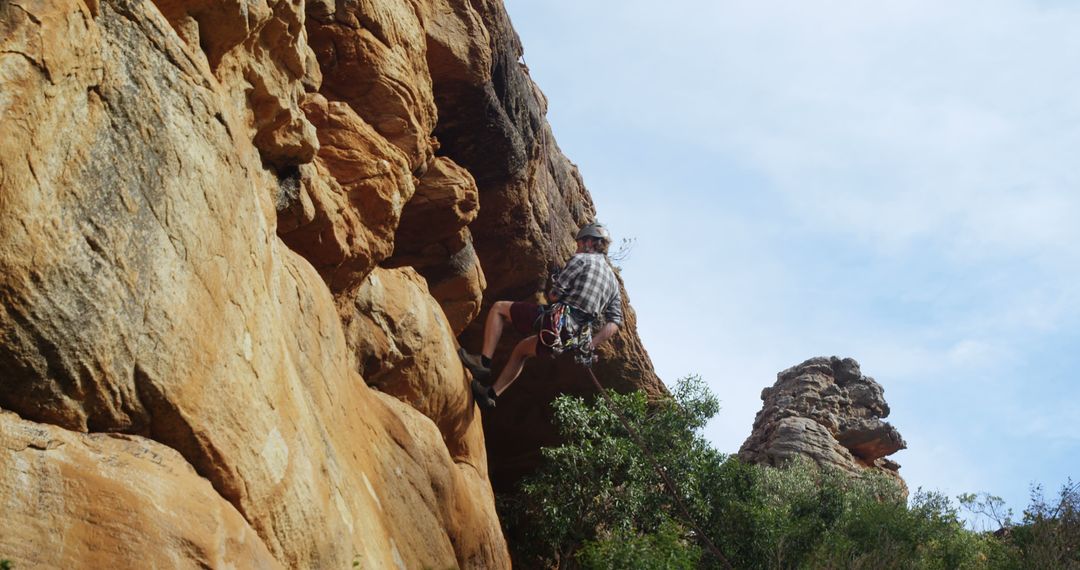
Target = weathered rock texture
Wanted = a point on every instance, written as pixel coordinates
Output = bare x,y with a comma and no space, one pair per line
825,409
99,499
237,241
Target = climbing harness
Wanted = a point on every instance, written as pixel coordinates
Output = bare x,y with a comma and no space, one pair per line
563,328
704,538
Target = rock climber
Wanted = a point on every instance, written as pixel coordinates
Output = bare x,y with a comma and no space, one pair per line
582,292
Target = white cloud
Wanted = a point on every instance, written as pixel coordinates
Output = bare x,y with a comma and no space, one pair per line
895,121
969,352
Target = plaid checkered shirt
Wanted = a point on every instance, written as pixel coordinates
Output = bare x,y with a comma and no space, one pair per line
588,283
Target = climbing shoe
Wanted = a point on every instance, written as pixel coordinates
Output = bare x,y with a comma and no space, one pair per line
483,395
474,364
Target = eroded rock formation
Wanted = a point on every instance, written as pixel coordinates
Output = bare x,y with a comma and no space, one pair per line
237,241
107,498
826,410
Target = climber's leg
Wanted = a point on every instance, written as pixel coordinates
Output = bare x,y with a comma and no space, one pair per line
524,350
497,317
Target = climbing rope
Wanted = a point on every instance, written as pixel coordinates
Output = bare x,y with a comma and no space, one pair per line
704,538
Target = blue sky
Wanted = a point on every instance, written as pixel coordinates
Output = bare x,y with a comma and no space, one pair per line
894,181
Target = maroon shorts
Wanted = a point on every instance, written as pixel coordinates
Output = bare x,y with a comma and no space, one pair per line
529,318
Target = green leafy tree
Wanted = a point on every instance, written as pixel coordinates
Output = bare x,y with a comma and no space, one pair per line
1049,536
601,485
598,502
665,549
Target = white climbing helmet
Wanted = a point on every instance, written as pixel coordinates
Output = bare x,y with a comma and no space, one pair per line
594,230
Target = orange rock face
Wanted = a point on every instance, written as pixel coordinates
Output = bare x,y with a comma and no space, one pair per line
146,292
357,188
232,271
100,499
434,238
404,347
372,54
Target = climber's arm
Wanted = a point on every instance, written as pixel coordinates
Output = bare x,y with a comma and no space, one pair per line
613,317
605,332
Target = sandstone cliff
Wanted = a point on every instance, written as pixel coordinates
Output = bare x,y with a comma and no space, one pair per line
237,241
826,410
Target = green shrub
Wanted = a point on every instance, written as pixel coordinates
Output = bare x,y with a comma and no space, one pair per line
600,484
597,502
1049,536
665,549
